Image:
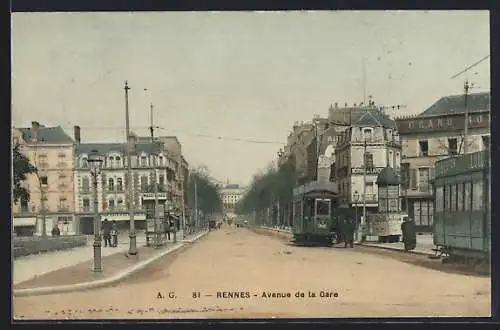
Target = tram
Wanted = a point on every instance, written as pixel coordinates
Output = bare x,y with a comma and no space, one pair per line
313,213
462,215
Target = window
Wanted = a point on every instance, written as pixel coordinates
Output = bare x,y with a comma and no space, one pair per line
447,196
144,161
460,197
424,215
453,197
417,213
144,182
84,163
86,204
161,179
413,179
423,179
439,199
391,159
486,142
452,146
367,134
62,176
118,161
44,180
119,184
368,160
61,156
62,201
467,196
477,196
119,202
160,161
111,162
24,205
111,204
85,184
424,148
111,184
431,213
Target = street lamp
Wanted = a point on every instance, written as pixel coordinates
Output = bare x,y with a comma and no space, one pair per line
95,164
356,199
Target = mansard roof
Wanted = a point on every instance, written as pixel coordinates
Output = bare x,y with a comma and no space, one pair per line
455,104
104,148
374,118
47,135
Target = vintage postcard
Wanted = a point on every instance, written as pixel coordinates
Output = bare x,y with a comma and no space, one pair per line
246,165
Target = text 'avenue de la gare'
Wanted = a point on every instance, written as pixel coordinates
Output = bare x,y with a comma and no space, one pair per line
267,294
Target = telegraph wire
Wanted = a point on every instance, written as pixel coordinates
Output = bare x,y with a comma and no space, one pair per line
216,137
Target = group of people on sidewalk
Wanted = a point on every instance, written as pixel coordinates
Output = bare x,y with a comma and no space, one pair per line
109,232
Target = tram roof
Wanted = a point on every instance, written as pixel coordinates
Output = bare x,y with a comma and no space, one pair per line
315,187
461,164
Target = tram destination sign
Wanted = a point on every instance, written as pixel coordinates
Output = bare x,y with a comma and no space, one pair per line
459,164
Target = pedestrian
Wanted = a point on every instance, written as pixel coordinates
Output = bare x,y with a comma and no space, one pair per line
114,233
106,232
168,226
56,231
409,234
348,234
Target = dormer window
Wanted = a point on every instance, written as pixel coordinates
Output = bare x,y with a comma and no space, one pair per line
84,163
367,134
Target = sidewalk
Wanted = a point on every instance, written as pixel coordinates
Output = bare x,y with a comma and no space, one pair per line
80,276
425,245
29,267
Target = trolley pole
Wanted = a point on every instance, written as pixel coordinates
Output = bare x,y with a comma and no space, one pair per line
130,190
155,186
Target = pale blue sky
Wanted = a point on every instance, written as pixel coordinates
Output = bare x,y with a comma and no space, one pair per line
236,74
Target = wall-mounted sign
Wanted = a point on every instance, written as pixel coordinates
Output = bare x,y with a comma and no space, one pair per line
453,165
369,171
151,196
444,123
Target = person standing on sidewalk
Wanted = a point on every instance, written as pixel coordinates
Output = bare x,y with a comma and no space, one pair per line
409,234
106,232
114,234
168,227
348,234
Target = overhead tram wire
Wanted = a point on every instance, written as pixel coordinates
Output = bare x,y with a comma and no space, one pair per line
215,137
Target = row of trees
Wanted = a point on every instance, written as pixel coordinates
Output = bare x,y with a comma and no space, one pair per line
208,195
269,189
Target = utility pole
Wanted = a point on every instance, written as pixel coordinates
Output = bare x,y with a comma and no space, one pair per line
156,213
195,203
130,190
363,221
466,120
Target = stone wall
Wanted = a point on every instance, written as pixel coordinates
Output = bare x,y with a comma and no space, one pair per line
24,246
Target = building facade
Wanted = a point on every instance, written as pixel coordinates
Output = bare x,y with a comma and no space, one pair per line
438,133
112,182
51,150
231,194
372,142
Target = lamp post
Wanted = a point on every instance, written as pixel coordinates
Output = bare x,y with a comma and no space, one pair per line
95,163
356,199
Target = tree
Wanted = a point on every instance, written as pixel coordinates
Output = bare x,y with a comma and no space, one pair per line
21,168
208,195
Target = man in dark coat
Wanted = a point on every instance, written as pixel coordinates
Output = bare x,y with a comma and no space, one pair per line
106,232
348,232
409,234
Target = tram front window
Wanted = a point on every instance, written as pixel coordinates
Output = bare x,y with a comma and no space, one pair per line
323,207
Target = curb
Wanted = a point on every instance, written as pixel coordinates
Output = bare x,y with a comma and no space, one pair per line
99,283
394,249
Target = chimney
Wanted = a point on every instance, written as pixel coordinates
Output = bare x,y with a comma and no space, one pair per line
77,133
34,130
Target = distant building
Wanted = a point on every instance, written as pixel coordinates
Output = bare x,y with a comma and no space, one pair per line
231,195
51,150
435,134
